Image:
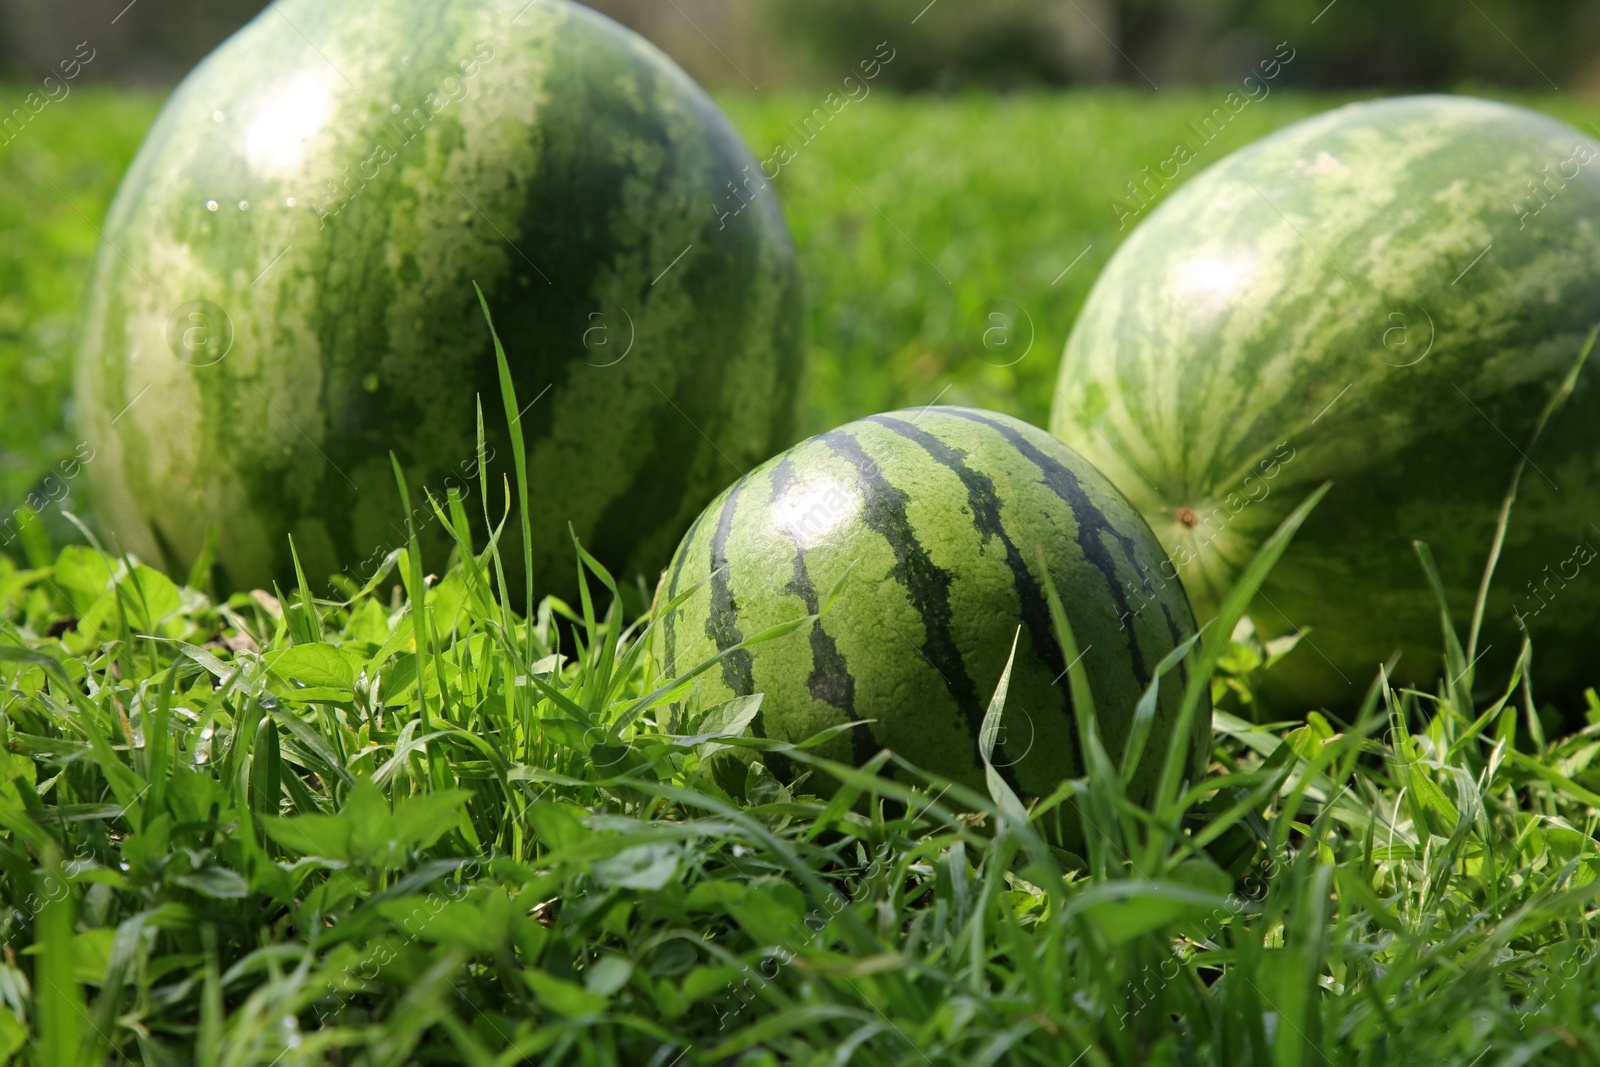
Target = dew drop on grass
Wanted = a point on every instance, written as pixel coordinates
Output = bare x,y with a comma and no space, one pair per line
289,202
211,205
244,205
217,116
202,751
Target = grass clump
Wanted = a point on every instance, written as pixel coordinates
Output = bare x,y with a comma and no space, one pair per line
412,825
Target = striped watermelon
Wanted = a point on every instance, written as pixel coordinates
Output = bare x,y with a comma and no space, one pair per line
1386,295
950,517
285,293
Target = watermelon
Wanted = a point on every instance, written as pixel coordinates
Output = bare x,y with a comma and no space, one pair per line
285,293
1385,296
936,526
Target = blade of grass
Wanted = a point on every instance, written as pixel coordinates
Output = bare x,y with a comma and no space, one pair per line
1004,798
1557,399
519,455
1212,645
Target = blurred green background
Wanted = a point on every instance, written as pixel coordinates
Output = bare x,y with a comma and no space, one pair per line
976,177
956,44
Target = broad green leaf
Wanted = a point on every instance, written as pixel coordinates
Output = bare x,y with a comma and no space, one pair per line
218,883
563,997
647,867
364,831
437,920
12,1035
607,974
555,827
151,597
731,718
703,982
84,574
327,836
322,665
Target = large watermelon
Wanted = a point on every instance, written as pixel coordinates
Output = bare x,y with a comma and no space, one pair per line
1386,295
950,518
285,292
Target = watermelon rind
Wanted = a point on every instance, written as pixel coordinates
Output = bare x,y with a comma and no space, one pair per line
1386,296
937,527
285,294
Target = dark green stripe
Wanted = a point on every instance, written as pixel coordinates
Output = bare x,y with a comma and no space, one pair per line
985,505
927,586
1177,639
1091,524
830,680
722,622
722,626
669,624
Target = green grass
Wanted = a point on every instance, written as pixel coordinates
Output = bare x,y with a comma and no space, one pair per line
56,181
400,828
281,830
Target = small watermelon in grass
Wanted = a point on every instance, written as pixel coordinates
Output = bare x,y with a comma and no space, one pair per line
285,294
942,524
1386,296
